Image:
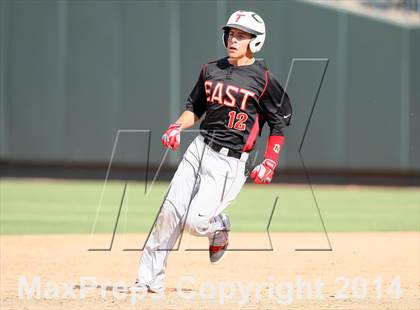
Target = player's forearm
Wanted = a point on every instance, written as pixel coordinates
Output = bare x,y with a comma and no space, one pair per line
187,119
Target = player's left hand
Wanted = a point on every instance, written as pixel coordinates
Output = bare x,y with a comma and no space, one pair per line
172,137
263,173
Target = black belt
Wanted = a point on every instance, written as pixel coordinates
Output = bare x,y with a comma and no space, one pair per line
217,147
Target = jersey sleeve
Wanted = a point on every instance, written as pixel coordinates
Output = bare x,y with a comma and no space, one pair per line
197,100
276,106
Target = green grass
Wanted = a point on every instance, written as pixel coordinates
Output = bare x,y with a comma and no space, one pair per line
55,206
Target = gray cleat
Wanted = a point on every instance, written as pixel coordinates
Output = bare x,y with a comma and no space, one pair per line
220,241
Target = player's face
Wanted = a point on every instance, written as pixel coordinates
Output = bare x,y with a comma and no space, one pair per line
238,42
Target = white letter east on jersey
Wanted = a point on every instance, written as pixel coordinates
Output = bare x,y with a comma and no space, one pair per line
227,94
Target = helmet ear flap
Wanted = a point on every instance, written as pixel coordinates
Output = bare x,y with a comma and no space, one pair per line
256,44
225,37
253,45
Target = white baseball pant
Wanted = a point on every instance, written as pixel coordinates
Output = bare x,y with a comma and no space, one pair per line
204,184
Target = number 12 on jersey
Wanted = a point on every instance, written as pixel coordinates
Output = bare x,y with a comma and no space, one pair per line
237,120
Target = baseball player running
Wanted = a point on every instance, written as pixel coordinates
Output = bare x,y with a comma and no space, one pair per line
238,95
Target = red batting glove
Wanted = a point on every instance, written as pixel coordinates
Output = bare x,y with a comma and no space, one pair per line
172,138
263,173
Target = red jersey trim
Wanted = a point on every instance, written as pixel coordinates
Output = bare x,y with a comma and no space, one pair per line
252,135
265,86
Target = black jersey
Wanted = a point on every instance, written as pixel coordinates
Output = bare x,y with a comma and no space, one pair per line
238,101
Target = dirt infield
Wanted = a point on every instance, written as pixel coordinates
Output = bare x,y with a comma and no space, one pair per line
360,273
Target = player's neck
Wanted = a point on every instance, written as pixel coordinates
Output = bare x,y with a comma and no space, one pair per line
243,61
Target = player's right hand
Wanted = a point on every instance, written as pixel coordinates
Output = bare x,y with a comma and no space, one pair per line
172,137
